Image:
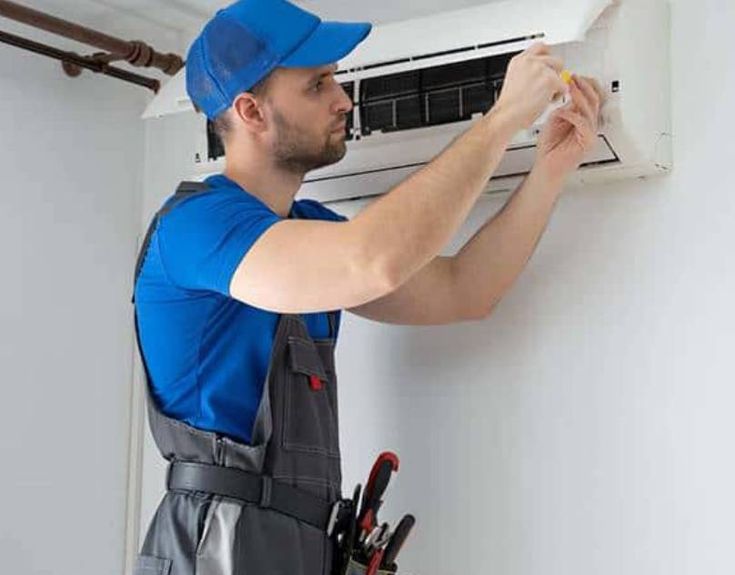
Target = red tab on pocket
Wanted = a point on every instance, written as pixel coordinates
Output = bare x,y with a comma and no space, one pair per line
315,382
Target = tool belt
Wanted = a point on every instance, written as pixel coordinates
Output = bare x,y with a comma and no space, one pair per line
367,547
259,490
339,519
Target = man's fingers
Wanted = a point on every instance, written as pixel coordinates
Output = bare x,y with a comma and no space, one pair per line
560,86
576,119
538,49
592,90
582,102
557,64
598,90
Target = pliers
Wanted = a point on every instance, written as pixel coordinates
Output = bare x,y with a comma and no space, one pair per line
386,463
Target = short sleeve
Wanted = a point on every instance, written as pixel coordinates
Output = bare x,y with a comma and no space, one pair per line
313,210
203,240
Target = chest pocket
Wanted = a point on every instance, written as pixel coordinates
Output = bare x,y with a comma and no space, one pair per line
310,406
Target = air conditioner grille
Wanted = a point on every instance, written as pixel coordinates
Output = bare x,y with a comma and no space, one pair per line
431,96
349,88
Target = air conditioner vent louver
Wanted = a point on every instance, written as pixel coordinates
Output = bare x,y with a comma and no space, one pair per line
431,96
349,88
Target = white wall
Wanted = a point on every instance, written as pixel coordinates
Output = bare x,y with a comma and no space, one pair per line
583,427
72,165
170,152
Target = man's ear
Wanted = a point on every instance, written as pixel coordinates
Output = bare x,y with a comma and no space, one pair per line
248,111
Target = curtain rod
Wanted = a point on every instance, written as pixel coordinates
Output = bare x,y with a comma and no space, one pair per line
136,52
88,62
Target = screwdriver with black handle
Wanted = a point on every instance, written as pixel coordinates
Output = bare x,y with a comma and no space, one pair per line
396,542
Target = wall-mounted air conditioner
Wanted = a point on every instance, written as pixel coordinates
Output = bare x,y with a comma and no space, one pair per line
417,84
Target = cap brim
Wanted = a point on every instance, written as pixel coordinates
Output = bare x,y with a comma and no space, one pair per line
330,42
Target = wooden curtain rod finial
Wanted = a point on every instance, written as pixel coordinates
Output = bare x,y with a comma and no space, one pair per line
141,54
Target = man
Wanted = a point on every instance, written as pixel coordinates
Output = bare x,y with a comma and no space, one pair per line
239,287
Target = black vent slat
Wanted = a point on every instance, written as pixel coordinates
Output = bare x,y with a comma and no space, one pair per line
349,88
477,99
455,74
377,117
444,53
410,113
444,107
391,86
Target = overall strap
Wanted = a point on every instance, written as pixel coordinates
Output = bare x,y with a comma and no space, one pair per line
331,318
185,190
332,315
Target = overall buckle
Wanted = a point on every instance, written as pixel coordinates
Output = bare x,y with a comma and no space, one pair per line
167,480
341,509
265,491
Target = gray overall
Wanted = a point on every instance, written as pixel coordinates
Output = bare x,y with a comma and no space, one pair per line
262,509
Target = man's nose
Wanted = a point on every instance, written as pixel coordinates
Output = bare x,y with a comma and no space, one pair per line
344,104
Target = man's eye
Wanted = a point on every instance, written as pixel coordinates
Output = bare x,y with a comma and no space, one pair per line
317,85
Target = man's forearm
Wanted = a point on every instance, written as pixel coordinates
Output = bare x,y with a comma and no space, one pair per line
403,230
486,267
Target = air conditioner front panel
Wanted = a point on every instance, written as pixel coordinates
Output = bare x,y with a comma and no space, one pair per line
370,182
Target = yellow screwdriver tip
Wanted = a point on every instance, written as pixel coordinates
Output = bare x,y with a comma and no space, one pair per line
566,76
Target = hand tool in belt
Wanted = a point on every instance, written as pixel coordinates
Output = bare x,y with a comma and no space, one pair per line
375,561
378,538
386,463
396,542
345,543
375,547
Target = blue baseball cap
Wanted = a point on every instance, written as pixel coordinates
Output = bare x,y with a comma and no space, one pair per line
246,41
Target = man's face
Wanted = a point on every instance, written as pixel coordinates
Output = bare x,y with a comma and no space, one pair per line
308,109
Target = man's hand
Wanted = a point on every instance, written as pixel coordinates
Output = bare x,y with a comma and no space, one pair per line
532,81
571,132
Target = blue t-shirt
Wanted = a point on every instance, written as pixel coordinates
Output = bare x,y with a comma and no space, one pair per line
208,353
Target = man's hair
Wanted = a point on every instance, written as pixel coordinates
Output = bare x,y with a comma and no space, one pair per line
222,124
